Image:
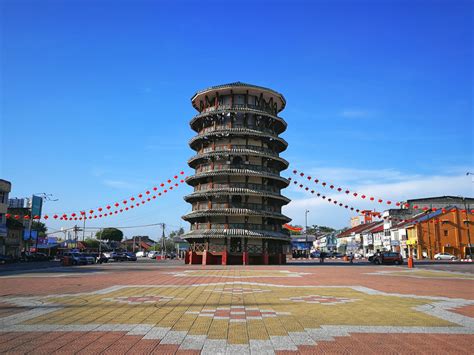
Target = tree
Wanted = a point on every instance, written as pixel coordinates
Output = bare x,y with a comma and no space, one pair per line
176,233
110,234
92,243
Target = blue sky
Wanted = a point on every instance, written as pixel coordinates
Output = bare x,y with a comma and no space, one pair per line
96,96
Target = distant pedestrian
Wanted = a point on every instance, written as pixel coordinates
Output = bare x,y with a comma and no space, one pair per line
351,258
322,255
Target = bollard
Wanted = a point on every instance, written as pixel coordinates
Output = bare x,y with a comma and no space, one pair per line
411,264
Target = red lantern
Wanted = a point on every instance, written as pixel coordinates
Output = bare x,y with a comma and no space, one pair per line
125,202
140,195
347,191
181,181
443,210
36,217
148,199
83,213
301,174
415,207
312,191
346,206
73,214
7,215
132,198
100,209
295,182
91,211
25,217
176,176
294,171
301,185
55,216
182,173
159,193
331,187
162,184
126,208
323,197
169,181
116,204
397,204
329,199
339,189
380,201
100,216
95,216
143,202
318,194
389,202
171,187
176,185
324,184
137,204
352,208
316,181
132,206
155,188
121,210
363,196
371,199
153,197
355,194
108,207
115,212
309,177
357,211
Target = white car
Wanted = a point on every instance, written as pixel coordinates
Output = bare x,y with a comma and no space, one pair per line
140,254
152,254
444,256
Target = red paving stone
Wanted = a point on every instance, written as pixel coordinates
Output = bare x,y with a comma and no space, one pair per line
466,310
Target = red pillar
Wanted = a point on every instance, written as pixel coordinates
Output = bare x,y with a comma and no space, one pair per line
224,257
265,259
204,257
245,258
191,257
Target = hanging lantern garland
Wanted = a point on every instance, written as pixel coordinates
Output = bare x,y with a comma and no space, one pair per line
111,209
366,197
330,200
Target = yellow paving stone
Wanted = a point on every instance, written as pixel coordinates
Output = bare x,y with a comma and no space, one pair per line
256,330
237,333
218,329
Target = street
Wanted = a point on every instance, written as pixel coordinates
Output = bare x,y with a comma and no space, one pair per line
167,307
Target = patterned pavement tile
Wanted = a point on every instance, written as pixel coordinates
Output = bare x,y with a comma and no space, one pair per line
261,310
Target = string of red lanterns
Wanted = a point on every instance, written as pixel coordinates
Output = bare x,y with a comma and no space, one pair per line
363,196
335,202
111,209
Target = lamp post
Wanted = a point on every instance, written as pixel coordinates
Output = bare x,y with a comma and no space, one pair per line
306,230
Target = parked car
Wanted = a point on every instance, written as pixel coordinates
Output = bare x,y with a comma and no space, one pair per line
334,255
152,254
129,257
6,259
387,257
91,259
445,256
140,254
315,254
76,258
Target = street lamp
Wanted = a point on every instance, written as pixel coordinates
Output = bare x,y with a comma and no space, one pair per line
306,228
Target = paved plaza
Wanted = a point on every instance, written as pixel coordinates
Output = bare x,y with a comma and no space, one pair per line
153,307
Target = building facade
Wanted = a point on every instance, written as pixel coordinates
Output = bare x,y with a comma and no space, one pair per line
5,188
236,204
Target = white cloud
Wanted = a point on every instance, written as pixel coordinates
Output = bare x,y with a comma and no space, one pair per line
385,184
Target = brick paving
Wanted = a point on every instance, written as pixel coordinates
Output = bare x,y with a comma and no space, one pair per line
168,308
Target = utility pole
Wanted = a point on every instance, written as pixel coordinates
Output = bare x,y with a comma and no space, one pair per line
466,208
84,226
163,243
76,229
306,230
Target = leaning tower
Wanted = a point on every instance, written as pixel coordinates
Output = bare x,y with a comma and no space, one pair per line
236,204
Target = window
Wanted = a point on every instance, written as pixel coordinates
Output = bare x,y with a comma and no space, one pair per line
239,99
445,232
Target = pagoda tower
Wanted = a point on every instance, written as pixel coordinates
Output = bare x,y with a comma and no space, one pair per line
236,203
